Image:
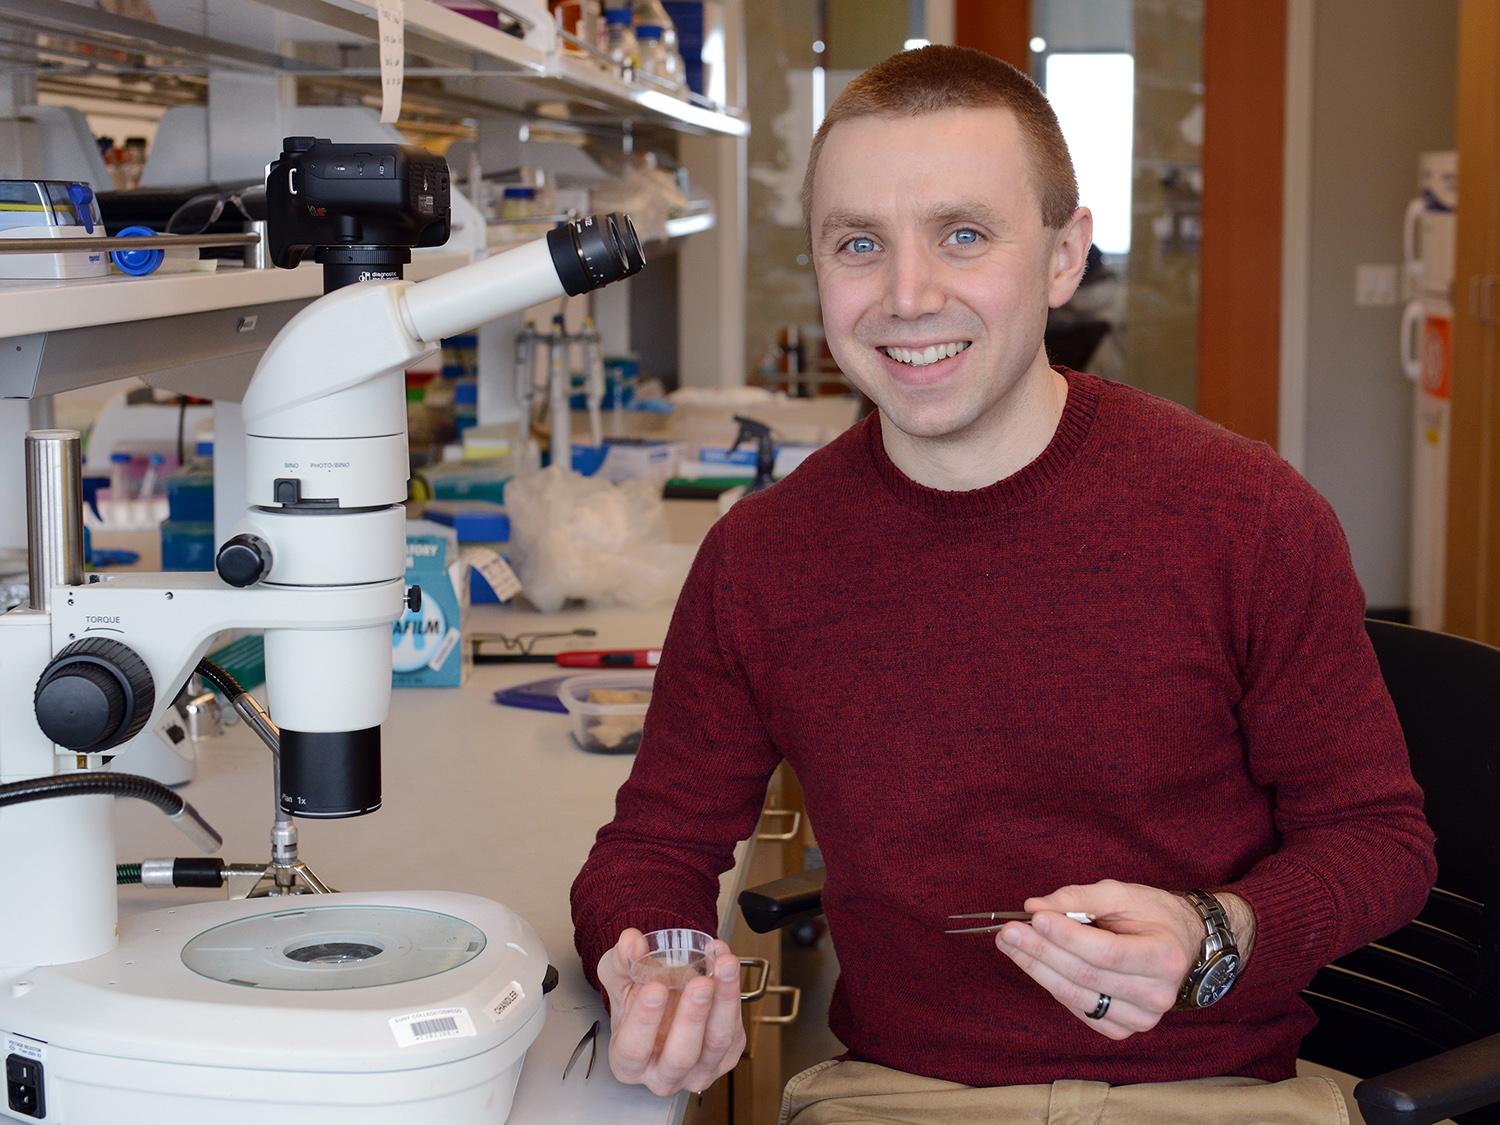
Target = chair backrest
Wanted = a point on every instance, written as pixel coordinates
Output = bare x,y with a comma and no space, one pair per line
1434,983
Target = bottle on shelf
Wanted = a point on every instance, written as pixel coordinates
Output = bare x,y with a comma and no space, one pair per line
519,204
656,60
653,13
621,39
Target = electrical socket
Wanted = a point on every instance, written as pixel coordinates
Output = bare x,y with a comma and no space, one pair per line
1376,286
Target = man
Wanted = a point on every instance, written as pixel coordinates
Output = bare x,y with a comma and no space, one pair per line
1030,640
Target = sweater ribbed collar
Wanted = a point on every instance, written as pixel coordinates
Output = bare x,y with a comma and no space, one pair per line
1022,486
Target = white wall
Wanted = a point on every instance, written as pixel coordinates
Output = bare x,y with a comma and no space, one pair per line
1383,91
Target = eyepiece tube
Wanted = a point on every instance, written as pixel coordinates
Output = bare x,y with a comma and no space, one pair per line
573,258
594,251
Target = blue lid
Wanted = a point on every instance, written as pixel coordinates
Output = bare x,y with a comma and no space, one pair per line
120,458
138,261
476,521
158,459
617,16
520,193
647,31
205,449
465,394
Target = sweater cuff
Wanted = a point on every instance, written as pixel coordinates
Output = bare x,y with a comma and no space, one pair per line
1294,922
594,942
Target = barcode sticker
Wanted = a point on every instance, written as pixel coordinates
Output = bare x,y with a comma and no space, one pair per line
431,1025
509,996
495,571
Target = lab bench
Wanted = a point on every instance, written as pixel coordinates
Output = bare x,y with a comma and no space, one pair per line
499,802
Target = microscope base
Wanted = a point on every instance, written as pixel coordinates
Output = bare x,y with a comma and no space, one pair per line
343,1008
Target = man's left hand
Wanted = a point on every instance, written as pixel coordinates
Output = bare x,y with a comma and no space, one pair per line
1137,952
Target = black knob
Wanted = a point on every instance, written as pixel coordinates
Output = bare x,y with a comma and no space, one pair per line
243,560
297,144
414,598
95,694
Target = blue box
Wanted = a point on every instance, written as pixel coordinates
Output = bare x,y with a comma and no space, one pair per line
190,495
475,521
187,544
427,647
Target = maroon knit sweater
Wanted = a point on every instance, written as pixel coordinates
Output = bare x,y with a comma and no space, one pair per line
1140,657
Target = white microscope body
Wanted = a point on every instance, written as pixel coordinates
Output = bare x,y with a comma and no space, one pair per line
326,1009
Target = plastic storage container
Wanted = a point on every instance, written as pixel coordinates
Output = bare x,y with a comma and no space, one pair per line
606,717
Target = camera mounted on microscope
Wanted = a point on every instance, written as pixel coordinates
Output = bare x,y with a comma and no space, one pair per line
359,208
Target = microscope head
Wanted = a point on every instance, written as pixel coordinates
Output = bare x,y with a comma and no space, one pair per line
326,466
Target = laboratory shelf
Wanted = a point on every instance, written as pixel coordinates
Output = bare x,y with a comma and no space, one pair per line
499,238
582,82
537,76
28,307
194,332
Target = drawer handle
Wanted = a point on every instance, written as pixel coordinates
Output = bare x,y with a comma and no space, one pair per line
784,990
765,975
790,833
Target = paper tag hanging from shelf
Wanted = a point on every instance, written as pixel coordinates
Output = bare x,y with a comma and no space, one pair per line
392,21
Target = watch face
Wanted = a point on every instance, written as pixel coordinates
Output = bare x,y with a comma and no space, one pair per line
1217,979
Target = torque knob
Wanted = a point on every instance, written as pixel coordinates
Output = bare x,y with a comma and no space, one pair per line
94,695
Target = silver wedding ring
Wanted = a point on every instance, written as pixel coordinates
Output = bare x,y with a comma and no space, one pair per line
1100,1008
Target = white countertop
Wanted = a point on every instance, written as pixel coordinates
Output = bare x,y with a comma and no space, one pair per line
29,306
479,798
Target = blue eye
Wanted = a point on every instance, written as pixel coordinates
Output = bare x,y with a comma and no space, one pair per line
860,245
966,236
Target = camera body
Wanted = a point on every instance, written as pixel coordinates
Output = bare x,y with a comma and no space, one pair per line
359,207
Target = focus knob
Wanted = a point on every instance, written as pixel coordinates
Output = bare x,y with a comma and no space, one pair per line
244,560
96,694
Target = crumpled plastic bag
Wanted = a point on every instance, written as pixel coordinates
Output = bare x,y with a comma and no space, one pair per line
582,537
648,194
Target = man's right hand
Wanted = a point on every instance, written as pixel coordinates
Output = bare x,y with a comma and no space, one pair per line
707,1035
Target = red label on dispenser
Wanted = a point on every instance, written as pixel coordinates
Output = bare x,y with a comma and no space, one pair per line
1437,357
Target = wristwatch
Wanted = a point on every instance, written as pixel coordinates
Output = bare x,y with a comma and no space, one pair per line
1218,964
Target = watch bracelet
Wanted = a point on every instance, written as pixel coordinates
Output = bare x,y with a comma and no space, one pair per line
1215,923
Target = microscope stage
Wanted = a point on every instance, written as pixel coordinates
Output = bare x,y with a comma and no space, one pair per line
319,1008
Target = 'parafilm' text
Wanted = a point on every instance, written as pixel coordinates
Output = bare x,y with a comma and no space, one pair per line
412,628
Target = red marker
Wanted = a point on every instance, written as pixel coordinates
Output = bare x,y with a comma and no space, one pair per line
611,658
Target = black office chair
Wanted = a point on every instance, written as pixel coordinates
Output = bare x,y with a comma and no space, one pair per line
1419,1009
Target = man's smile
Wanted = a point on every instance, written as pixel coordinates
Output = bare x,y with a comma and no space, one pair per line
923,355
923,366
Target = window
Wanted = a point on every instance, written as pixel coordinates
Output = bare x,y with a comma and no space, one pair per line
1094,97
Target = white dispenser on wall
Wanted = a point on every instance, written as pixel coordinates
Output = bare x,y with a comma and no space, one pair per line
1426,358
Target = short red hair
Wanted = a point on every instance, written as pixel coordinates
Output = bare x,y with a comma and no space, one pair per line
935,78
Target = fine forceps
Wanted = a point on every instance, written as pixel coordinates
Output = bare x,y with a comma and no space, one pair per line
591,1041
1000,917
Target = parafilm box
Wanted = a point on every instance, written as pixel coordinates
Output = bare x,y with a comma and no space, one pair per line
426,644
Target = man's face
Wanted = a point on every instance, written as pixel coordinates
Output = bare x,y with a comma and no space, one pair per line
934,269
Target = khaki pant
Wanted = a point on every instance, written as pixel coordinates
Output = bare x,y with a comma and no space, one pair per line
858,1093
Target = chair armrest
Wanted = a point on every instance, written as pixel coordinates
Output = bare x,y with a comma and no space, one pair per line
773,905
1445,1085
